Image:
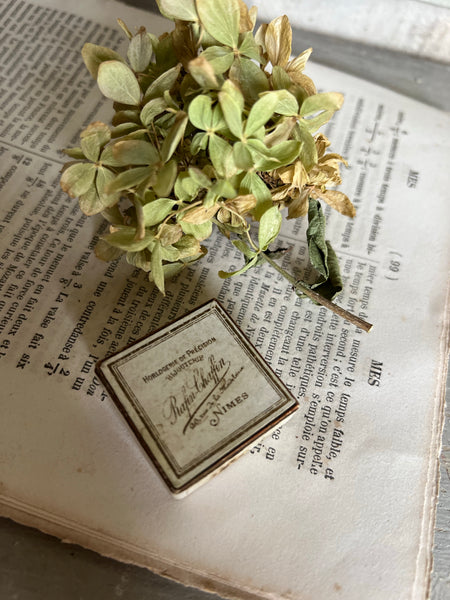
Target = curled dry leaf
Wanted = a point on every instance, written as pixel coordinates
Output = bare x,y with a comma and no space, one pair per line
200,214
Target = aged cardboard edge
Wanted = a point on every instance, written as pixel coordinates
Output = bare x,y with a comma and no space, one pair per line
223,462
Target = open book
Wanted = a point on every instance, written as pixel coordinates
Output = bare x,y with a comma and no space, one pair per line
337,503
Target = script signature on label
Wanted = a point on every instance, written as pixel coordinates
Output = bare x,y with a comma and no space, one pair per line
200,398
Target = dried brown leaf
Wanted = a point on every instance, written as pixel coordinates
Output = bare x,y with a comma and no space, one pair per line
322,143
260,36
200,214
298,207
337,200
303,81
298,64
278,41
169,234
183,42
245,21
203,73
242,204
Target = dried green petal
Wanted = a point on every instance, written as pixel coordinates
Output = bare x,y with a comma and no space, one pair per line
261,112
129,179
170,101
164,82
223,188
113,215
253,184
186,189
308,150
140,51
267,159
118,82
232,104
200,112
280,79
281,133
140,259
93,138
152,109
251,79
77,179
169,235
246,267
242,247
220,19
94,56
200,232
269,227
327,101
166,179
107,157
220,152
90,202
125,116
76,153
323,104
105,252
187,246
135,152
125,239
169,270
287,104
157,211
95,200
203,73
199,142
169,253
218,120
199,177
174,136
103,179
125,129
219,57
157,272
174,9
242,156
249,47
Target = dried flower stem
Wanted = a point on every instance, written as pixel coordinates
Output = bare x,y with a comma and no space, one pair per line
299,286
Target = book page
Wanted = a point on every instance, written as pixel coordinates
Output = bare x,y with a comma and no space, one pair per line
340,500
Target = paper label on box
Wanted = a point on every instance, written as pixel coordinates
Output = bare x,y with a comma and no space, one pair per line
196,393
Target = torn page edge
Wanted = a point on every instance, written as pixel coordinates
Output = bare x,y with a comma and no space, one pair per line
424,563
70,532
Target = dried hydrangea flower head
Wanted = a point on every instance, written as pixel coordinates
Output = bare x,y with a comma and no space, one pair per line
214,126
